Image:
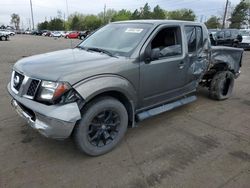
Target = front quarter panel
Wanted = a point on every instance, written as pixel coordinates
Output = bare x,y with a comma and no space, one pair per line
96,85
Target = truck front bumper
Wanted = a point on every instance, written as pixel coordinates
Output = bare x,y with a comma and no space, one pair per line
54,121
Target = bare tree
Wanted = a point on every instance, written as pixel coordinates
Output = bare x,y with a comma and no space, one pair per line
15,19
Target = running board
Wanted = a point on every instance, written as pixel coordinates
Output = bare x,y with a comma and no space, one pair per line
164,108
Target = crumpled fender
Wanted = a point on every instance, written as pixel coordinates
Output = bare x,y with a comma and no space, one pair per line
228,55
96,85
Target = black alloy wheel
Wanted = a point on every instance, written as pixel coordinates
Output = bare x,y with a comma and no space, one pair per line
104,128
104,123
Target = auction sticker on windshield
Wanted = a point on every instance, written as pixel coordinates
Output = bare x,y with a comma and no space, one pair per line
133,30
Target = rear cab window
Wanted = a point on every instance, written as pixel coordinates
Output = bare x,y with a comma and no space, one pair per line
194,38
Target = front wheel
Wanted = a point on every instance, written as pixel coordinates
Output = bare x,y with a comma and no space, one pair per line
104,123
221,86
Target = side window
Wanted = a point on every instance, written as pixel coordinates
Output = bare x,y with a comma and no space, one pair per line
227,34
199,37
194,38
220,35
191,38
168,41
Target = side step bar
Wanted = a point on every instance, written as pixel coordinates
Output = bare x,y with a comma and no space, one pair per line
164,108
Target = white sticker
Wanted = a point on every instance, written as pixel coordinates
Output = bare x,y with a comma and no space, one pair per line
133,30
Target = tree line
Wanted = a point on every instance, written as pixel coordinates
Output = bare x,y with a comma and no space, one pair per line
238,18
78,21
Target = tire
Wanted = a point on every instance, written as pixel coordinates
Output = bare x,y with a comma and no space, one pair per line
221,86
102,118
81,37
6,38
235,45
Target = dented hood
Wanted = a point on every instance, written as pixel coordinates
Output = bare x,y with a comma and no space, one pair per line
69,65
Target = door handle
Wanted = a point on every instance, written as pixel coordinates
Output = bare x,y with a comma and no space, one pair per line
181,65
200,58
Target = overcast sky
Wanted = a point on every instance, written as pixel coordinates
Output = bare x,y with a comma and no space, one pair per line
48,8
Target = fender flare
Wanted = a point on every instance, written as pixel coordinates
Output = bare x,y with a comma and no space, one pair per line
97,85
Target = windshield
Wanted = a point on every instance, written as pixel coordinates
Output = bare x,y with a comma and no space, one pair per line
118,39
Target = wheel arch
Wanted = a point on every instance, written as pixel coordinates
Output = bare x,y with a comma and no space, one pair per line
113,86
221,66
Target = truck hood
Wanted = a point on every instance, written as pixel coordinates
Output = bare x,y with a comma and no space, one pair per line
71,65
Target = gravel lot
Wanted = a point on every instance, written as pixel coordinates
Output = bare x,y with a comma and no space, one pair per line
203,144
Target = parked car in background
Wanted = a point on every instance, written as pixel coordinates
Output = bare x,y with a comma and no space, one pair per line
47,33
228,37
72,35
37,32
28,32
63,33
7,32
20,31
56,34
245,43
4,36
83,34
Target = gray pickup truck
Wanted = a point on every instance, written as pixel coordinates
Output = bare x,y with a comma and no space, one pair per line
123,73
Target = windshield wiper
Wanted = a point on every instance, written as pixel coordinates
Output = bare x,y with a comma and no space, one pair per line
101,51
81,47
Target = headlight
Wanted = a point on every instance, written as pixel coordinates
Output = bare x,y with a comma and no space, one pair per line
51,91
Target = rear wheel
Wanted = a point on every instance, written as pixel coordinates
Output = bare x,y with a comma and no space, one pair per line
102,126
81,37
221,86
235,45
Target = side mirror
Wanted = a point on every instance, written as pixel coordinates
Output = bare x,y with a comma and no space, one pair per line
151,54
155,54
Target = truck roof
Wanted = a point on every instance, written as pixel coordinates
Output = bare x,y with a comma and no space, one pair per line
158,22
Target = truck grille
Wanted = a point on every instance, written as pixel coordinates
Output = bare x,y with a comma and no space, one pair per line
17,80
33,87
24,85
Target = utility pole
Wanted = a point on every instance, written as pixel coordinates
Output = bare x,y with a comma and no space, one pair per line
104,13
31,9
225,15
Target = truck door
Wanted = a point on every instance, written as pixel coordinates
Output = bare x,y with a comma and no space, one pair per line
198,58
163,77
